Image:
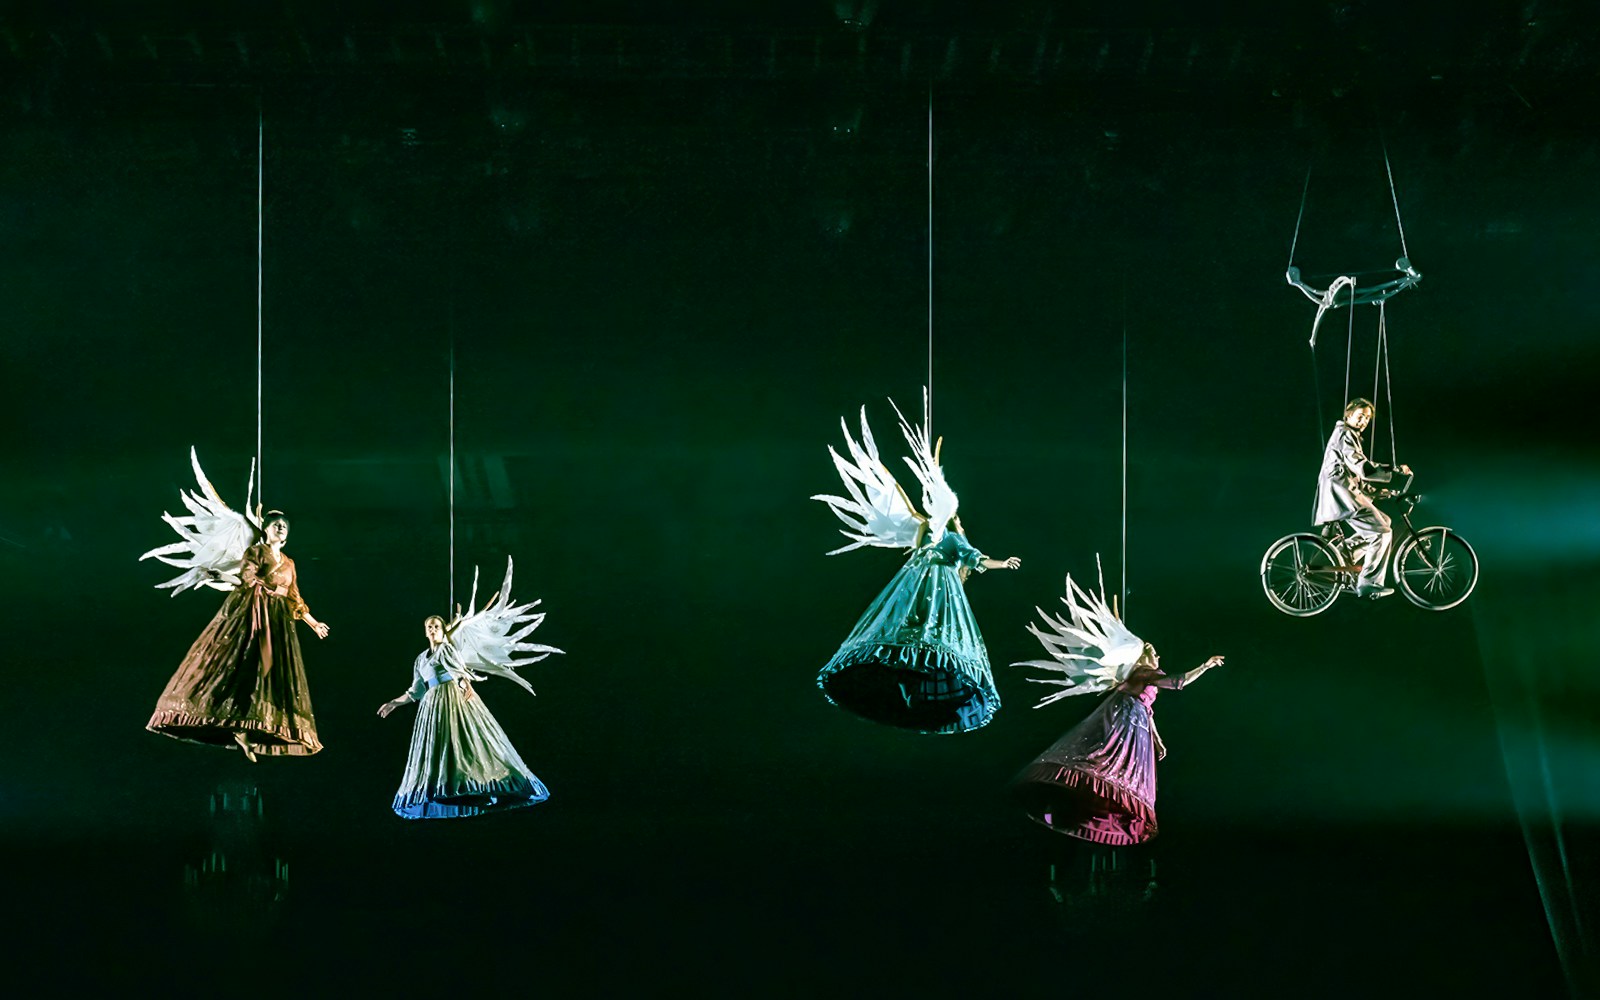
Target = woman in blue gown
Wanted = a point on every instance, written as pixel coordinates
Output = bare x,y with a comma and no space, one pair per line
461,763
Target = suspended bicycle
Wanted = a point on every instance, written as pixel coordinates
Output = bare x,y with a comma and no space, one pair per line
1304,573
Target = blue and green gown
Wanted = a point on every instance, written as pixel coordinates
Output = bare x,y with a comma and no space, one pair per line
916,659
461,763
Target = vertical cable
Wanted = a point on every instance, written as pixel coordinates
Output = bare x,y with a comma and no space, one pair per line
1124,446
261,173
928,416
1393,196
451,472
1316,391
1388,384
1377,369
1306,189
1349,346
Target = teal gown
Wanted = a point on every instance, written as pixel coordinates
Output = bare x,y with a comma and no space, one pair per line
916,659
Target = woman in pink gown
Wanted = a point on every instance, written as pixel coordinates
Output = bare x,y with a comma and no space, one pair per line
1098,782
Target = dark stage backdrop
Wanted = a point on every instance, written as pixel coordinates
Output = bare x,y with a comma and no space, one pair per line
663,291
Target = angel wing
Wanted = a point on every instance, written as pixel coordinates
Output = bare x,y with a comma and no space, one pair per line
876,512
1089,648
938,499
212,538
491,640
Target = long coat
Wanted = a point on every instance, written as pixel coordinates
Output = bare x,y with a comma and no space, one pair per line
1344,465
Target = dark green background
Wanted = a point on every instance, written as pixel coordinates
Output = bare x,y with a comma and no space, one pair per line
666,278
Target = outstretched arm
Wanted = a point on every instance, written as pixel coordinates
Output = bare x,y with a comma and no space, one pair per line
418,688
1183,680
394,703
1011,563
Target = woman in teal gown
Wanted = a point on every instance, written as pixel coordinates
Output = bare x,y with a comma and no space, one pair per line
916,659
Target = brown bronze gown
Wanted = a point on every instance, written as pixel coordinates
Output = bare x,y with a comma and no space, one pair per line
245,674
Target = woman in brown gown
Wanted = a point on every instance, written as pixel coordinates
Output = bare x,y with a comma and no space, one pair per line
243,683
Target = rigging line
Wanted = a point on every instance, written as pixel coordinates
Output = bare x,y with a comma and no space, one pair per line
1316,389
1124,445
1349,345
1393,196
1304,190
261,173
1388,382
1377,369
450,474
928,415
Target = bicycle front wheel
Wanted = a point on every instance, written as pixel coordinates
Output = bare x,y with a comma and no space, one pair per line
1437,569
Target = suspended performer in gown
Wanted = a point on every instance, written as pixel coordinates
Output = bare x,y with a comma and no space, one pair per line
916,659
1098,782
461,762
243,683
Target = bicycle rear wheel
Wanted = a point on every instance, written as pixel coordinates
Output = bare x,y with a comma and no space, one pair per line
1301,576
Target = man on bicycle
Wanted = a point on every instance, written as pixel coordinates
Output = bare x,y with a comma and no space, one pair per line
1342,496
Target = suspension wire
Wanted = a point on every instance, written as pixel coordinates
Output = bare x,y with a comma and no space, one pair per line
1316,389
1388,382
1124,445
1349,345
1393,196
1304,190
1377,369
450,475
261,173
928,415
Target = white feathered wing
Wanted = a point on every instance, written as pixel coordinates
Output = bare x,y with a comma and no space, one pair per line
490,641
938,499
1090,649
876,511
213,537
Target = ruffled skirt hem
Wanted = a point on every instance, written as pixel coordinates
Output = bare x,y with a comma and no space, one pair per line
471,798
206,730
922,688
1079,804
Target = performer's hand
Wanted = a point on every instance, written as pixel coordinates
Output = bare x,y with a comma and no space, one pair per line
1405,470
1215,661
386,708
1014,562
321,628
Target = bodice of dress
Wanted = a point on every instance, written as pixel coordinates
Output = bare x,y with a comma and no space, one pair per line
953,549
434,667
260,567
